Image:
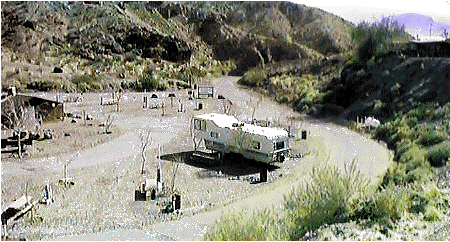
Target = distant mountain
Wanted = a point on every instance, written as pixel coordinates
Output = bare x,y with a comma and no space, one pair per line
417,24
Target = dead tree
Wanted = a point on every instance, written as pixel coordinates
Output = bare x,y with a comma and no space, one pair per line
118,98
163,109
195,127
146,140
109,122
226,105
241,140
173,171
253,104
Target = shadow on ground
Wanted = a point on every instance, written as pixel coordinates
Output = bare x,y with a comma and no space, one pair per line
232,164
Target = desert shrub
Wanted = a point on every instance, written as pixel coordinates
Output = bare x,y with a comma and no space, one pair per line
438,155
442,176
331,196
41,85
222,67
434,199
87,82
149,80
395,174
253,77
374,39
391,202
428,135
413,154
378,108
418,174
257,225
191,73
402,147
418,204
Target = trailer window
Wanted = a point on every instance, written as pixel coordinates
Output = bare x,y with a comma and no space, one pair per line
256,145
200,124
214,135
279,145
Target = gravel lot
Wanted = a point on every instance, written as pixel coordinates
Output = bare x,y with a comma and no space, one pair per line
101,206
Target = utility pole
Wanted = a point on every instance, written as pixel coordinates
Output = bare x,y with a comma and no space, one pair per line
430,29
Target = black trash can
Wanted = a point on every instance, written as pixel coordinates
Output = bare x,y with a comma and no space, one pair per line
303,134
176,199
139,196
200,106
263,175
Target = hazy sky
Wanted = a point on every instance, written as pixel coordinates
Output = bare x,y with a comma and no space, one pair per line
357,10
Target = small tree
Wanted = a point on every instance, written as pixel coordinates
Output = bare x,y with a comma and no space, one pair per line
118,98
173,170
253,104
226,105
195,133
146,140
241,140
109,122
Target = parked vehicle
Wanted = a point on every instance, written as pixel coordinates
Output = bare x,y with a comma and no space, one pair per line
226,134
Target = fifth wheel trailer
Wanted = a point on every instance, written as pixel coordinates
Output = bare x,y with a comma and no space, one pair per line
226,134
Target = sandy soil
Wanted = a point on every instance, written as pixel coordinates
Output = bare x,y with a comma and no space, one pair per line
100,206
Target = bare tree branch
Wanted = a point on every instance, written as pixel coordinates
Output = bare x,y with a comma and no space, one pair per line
146,140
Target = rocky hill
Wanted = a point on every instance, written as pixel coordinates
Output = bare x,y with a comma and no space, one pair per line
97,45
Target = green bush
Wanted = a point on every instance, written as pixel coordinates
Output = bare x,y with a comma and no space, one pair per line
418,174
258,225
438,155
149,81
253,77
331,196
41,85
428,135
376,38
392,202
87,82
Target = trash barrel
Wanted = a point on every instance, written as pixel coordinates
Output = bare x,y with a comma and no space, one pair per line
303,134
176,199
263,175
200,106
139,196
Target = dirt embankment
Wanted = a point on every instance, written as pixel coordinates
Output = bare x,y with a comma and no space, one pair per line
389,84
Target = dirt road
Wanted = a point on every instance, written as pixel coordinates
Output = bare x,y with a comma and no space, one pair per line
328,143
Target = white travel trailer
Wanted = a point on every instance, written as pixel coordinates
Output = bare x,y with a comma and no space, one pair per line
226,134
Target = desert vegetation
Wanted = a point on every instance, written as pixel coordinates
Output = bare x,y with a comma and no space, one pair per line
337,204
412,190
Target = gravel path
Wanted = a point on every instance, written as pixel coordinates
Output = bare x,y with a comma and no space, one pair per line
330,142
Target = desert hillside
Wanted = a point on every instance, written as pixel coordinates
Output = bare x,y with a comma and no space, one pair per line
80,46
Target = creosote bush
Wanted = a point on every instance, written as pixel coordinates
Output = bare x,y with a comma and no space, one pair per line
420,138
253,77
329,197
242,225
